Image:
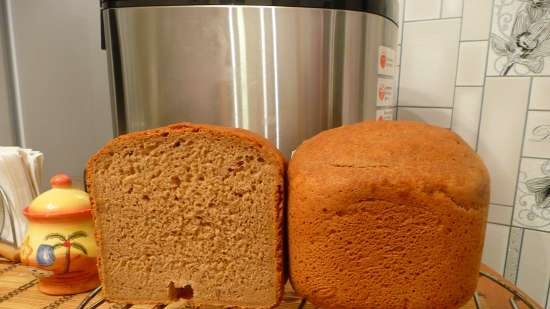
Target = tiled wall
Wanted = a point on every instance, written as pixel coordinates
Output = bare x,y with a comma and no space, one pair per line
482,68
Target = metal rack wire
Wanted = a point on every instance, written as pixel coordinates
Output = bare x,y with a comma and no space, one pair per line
516,298
516,295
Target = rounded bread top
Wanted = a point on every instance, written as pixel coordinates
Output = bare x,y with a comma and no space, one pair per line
394,161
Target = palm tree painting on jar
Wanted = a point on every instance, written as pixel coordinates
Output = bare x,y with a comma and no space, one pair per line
529,40
60,239
64,242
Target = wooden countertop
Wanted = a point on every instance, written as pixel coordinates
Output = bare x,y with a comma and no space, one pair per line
18,290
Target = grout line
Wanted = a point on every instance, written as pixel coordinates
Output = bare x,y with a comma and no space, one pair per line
428,19
529,228
469,86
441,9
519,76
523,227
402,30
476,148
473,41
458,53
480,85
434,107
485,79
538,158
501,205
496,222
539,110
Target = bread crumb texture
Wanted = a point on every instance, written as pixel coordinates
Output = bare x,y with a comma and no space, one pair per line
386,215
189,212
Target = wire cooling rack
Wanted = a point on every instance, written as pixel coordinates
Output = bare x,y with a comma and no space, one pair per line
291,301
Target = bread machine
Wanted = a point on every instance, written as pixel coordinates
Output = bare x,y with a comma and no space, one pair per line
286,69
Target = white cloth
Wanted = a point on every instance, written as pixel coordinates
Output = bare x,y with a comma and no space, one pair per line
20,174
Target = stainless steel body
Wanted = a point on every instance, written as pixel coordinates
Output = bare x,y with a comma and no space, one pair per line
285,73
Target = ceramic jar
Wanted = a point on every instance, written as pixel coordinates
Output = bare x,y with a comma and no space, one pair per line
60,239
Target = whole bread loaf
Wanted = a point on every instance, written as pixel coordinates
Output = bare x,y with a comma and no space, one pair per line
189,212
386,215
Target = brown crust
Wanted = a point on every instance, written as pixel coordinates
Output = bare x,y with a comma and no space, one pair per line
394,152
367,201
255,139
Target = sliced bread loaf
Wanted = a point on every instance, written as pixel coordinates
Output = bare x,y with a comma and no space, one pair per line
189,212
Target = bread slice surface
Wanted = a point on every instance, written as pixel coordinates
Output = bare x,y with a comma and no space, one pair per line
189,212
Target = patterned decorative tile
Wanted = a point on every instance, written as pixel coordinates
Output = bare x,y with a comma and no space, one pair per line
500,214
476,19
466,113
501,133
520,38
532,207
514,249
436,116
471,64
425,9
451,8
534,266
494,248
428,63
536,142
540,93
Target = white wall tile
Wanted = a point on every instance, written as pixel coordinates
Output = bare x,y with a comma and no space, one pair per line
534,265
428,63
451,8
494,248
436,116
537,134
533,177
471,63
501,133
424,9
540,93
467,106
500,214
476,19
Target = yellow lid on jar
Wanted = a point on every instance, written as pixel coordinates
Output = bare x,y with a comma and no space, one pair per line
61,200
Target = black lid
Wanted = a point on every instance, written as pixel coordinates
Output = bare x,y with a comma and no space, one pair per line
385,8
